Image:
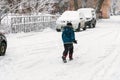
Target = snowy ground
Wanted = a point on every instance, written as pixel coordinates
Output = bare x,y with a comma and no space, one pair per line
37,56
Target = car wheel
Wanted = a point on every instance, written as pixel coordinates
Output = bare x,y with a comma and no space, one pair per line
84,28
58,30
94,24
78,29
91,25
2,48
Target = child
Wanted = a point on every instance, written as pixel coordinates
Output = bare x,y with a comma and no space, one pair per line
68,37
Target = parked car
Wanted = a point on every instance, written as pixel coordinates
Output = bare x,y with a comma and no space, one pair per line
90,16
77,19
3,44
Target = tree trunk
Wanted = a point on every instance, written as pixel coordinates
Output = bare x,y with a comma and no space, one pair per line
98,8
76,4
84,3
0,21
99,5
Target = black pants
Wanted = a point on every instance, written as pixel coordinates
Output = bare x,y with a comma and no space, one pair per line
68,48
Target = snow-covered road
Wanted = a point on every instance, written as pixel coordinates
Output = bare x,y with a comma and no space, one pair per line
37,56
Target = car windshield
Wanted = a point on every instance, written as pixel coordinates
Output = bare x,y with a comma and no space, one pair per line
87,13
70,15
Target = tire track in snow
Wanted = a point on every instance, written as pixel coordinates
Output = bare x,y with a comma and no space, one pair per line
111,56
92,32
100,66
104,66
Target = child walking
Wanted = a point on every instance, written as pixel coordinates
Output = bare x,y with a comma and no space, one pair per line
68,37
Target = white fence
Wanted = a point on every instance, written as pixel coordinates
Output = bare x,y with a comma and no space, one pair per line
28,23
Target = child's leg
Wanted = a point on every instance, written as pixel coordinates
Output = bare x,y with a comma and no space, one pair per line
71,52
65,52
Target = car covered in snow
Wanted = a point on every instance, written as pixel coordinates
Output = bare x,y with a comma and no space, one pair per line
77,19
3,44
90,16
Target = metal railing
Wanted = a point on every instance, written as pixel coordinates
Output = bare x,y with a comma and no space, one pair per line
28,23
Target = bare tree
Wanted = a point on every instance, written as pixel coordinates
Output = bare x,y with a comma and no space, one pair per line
99,5
62,5
76,4
115,6
83,2
12,6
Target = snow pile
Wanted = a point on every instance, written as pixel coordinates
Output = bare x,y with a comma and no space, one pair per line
48,29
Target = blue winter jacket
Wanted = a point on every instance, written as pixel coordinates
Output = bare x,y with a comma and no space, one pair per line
68,35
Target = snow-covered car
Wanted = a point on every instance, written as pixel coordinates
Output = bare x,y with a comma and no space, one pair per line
77,19
3,44
90,16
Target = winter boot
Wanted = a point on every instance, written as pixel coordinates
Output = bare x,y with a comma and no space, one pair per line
70,57
64,59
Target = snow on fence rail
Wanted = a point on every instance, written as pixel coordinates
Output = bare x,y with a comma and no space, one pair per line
28,23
